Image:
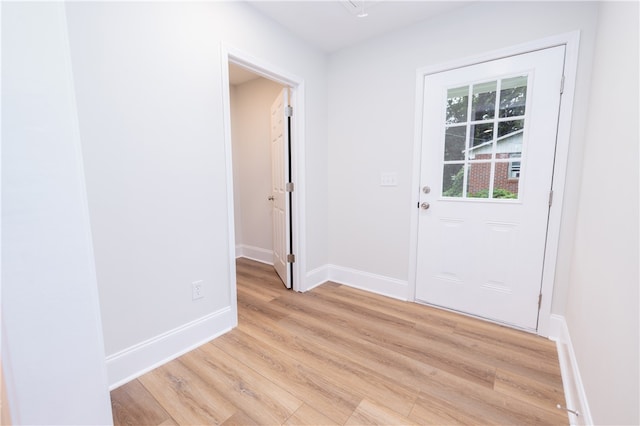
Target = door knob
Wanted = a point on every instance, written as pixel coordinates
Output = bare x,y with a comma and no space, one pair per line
425,206
270,198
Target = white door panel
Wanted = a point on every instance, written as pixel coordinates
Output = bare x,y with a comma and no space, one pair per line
279,178
488,146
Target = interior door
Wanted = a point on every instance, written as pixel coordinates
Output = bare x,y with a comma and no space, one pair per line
280,176
488,145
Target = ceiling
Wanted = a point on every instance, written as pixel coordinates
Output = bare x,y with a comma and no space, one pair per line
333,25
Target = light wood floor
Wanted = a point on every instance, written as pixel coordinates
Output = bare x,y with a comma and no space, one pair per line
336,355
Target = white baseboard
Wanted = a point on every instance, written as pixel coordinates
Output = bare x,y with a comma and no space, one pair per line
386,286
316,277
571,380
136,360
255,253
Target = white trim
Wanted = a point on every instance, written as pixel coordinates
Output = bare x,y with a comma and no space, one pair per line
374,283
571,41
415,185
297,154
380,284
317,277
94,300
228,154
145,356
555,327
254,253
298,168
575,395
559,180
532,46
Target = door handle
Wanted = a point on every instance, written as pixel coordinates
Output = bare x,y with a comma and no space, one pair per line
270,198
425,206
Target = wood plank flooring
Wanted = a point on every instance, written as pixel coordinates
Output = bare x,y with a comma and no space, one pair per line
341,356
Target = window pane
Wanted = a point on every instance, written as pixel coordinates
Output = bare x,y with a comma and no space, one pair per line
482,133
478,180
457,102
452,180
507,127
454,143
513,96
483,105
485,145
506,180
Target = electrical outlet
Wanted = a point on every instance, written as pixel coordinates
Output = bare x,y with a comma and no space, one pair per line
196,290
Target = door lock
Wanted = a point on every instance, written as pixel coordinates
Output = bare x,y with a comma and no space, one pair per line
426,189
425,206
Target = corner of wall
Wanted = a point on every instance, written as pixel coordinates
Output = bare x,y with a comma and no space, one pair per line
316,277
379,284
575,395
254,253
136,360
386,286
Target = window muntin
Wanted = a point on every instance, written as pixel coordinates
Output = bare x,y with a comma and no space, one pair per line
483,139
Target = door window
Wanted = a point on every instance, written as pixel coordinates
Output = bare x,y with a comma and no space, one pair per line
483,138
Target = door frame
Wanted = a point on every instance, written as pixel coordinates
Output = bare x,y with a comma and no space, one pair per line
571,41
296,85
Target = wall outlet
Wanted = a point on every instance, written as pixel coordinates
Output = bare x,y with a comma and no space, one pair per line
196,290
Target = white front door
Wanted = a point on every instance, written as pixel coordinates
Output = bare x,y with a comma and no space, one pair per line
488,146
280,175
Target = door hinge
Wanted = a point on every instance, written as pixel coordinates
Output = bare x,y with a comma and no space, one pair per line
539,301
562,85
550,197
288,111
288,187
291,258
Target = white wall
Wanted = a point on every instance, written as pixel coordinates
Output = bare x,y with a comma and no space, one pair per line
602,308
371,125
148,83
52,348
150,101
251,135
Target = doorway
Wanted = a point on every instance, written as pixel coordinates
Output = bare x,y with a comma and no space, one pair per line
260,168
252,169
488,146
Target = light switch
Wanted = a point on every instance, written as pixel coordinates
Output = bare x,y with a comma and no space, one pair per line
389,179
